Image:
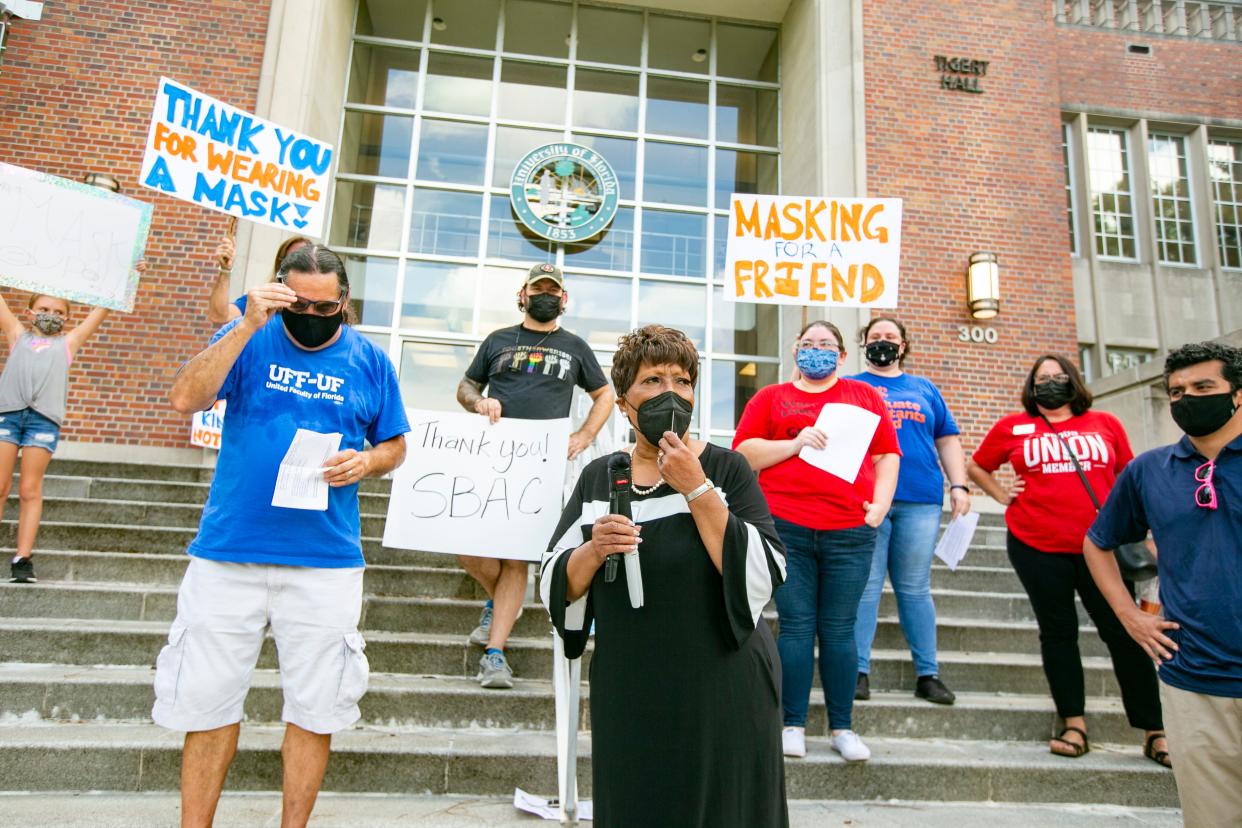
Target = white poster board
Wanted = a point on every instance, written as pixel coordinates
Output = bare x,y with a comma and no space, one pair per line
220,157
469,487
805,250
207,427
68,239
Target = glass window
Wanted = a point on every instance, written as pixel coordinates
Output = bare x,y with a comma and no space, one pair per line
620,153
746,52
444,222
537,27
372,287
508,238
512,144
1108,164
677,107
374,144
733,384
458,84
746,115
612,249
610,36
683,307
744,172
498,299
1170,195
384,76
606,100
1069,186
1225,169
398,19
533,92
599,308
674,244
675,174
430,372
744,327
367,215
469,23
452,152
678,43
438,296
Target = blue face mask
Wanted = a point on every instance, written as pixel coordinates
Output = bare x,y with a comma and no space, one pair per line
815,364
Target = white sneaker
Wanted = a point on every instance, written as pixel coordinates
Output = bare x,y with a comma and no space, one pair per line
793,742
850,746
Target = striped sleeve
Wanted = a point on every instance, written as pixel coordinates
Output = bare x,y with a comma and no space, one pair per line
572,619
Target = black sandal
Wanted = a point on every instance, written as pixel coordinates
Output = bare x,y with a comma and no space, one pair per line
1160,757
1079,750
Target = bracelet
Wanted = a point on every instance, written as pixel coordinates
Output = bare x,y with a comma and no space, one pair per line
704,487
961,486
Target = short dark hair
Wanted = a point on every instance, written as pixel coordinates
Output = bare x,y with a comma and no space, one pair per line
824,323
652,345
901,329
1193,353
1082,398
317,259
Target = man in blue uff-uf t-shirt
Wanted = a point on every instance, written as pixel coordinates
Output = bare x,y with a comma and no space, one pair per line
286,368
1189,495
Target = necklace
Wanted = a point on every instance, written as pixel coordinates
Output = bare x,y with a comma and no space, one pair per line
517,341
647,490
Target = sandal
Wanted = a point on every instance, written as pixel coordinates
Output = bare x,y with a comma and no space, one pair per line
1078,749
1160,757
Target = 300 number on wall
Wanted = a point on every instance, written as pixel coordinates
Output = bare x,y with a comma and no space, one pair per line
977,333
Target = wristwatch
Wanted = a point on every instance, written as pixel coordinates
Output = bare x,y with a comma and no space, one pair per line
705,486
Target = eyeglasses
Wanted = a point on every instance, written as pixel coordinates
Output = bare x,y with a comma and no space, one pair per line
1052,378
326,307
820,346
1205,495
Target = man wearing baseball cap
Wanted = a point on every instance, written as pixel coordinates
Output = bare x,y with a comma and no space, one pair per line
529,371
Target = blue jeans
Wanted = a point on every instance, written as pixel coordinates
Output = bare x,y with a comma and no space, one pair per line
903,550
826,571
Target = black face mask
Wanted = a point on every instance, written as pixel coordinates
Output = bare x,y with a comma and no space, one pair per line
311,331
664,412
543,307
1203,414
882,353
1054,393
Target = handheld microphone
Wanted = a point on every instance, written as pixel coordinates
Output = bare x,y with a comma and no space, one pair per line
619,504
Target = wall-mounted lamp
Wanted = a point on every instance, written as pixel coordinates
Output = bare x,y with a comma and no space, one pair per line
103,181
983,285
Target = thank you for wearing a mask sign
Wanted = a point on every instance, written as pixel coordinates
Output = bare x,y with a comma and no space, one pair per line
469,487
798,250
207,152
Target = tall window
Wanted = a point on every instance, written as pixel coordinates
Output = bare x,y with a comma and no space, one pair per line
1066,156
1111,200
1225,167
1170,196
444,98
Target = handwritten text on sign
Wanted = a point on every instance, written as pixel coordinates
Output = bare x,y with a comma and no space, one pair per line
202,150
795,250
468,487
207,427
68,239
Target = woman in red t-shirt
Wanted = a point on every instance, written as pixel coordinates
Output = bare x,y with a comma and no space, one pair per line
1048,511
828,526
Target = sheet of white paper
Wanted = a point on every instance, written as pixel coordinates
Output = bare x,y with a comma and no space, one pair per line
849,429
300,483
546,808
956,539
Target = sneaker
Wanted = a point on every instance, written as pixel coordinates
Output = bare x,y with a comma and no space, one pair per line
793,742
21,571
862,690
482,632
850,746
933,689
494,671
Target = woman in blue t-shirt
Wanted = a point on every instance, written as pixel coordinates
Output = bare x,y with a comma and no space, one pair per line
905,540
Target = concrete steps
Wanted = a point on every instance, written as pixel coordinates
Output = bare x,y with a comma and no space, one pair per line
75,686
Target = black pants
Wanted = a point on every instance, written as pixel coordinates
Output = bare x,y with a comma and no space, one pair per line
1050,580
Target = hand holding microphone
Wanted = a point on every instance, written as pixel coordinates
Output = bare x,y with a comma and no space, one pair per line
619,504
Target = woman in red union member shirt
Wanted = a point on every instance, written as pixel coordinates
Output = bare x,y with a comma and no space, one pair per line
1048,511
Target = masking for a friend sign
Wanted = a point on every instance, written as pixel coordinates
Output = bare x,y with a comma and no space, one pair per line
204,151
802,250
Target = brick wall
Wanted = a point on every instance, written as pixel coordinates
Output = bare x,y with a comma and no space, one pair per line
76,91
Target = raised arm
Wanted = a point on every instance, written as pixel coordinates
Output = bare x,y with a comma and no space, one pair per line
77,337
219,309
13,326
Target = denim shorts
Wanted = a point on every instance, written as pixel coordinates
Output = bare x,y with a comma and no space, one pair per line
28,427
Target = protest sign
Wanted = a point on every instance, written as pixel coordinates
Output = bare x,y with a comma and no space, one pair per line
469,487
217,156
68,239
799,250
208,426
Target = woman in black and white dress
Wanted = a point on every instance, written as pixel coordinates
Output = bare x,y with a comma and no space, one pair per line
685,691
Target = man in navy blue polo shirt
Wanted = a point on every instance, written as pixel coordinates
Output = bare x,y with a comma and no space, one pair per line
1190,496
